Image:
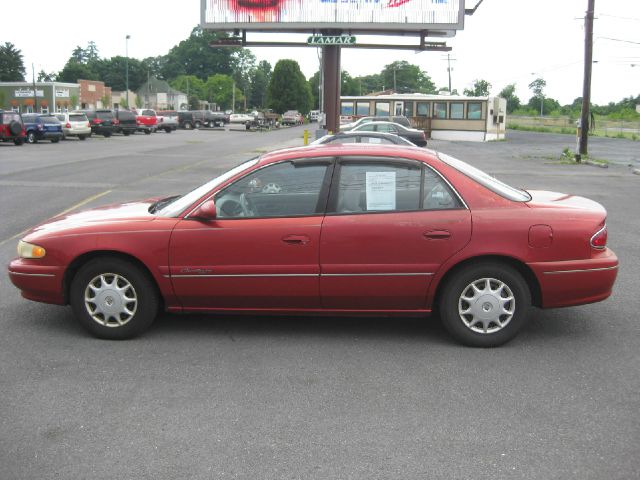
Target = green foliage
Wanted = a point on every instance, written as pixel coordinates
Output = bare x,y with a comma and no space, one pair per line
46,77
112,72
138,101
371,83
259,77
509,94
106,101
288,89
3,98
408,78
219,89
480,88
73,102
194,56
73,71
11,63
348,85
189,84
243,62
537,87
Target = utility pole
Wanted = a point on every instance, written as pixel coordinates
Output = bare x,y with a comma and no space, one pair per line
586,89
126,79
35,92
449,69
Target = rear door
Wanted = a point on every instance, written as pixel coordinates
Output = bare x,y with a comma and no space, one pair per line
390,224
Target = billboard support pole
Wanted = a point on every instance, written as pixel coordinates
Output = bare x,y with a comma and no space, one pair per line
331,70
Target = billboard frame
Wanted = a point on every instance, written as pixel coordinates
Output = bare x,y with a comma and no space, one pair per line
402,29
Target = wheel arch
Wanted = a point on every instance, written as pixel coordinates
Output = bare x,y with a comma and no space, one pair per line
81,260
521,267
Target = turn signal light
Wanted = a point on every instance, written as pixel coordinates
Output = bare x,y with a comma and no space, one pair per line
599,240
29,250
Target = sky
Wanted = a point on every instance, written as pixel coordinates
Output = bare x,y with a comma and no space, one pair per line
505,41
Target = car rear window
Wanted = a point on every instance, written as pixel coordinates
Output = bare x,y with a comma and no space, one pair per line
104,115
49,119
126,115
77,118
148,112
7,118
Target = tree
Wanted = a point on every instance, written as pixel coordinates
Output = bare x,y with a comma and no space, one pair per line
260,78
194,56
509,94
406,77
73,71
46,77
189,84
349,85
219,89
112,71
370,83
243,62
537,87
481,88
11,63
314,86
288,89
91,52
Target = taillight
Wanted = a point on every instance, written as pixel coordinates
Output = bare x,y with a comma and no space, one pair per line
599,239
68,125
116,121
97,121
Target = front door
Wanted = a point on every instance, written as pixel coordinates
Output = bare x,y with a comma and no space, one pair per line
262,250
399,109
389,227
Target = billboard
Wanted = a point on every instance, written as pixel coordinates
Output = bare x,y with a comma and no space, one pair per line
353,15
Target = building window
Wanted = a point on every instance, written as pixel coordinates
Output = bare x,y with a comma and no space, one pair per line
346,108
456,110
408,109
423,109
362,108
440,110
474,111
382,109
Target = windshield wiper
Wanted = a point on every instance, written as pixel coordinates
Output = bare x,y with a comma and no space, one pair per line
160,204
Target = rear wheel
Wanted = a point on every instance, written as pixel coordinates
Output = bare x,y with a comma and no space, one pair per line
82,137
106,134
31,138
113,298
18,141
198,124
167,130
188,126
485,305
55,140
147,132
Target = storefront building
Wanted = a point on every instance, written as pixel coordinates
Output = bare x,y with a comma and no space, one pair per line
48,96
442,117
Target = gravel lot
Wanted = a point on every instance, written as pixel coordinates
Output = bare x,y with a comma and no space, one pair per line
213,397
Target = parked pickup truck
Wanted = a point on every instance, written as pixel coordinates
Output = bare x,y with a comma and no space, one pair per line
167,121
147,120
292,117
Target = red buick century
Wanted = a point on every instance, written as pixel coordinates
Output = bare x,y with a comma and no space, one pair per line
328,229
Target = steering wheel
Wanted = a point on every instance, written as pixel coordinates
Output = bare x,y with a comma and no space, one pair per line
232,208
271,188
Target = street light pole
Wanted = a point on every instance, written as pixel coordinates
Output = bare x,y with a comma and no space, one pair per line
586,87
126,63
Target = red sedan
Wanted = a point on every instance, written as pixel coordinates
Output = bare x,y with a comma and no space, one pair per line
328,229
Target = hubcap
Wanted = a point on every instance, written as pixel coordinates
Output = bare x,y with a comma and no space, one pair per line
111,300
486,305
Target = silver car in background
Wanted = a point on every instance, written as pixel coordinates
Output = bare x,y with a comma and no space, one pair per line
74,124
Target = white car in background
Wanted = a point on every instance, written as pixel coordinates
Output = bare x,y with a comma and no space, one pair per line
74,124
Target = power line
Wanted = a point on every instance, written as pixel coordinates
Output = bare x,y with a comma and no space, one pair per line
619,40
619,17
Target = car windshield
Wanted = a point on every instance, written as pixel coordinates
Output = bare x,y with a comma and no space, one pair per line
179,204
78,117
486,180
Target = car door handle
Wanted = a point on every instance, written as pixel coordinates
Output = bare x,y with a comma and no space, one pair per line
296,239
437,234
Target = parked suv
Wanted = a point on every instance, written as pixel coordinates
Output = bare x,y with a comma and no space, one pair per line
147,120
74,124
186,120
214,119
12,127
40,126
125,122
101,122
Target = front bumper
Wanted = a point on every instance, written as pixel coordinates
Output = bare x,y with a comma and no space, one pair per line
41,283
576,282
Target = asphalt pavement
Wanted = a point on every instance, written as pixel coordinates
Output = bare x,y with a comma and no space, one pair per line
243,397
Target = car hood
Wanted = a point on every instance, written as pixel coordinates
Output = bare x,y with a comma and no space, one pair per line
544,199
123,215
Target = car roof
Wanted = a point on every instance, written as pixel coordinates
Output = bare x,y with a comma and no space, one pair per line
351,149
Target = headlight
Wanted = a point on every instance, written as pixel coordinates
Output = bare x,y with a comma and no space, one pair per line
29,250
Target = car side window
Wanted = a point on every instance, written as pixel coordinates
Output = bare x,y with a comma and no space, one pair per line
367,128
378,187
285,189
437,193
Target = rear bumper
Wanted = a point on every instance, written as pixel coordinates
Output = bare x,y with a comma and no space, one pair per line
576,282
75,131
50,135
101,130
41,283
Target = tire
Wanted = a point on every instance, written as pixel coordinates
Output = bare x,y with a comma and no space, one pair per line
130,309
18,141
167,130
485,305
106,134
55,140
31,138
126,133
82,137
198,125
147,132
188,126
15,128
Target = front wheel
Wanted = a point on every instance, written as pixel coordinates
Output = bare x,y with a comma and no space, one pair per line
31,138
113,298
485,305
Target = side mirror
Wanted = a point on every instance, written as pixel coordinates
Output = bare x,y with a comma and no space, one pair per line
206,211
